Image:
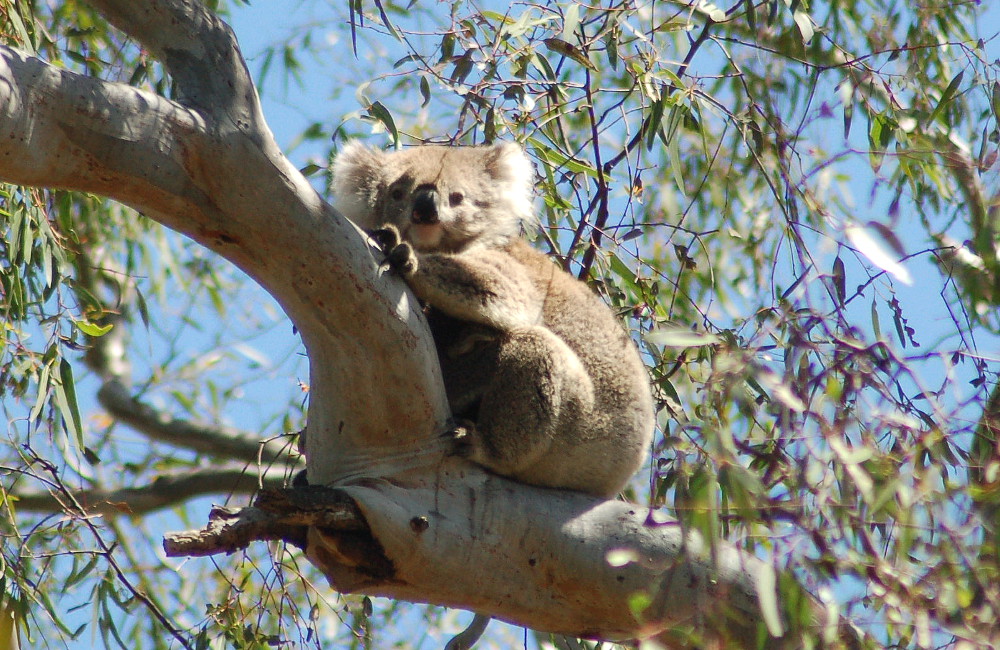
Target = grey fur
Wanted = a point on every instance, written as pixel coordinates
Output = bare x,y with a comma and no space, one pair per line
554,387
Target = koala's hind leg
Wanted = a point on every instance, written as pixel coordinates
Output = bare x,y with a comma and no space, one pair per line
539,390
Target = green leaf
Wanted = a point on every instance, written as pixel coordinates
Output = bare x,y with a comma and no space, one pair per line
679,337
712,11
25,42
542,64
143,309
8,620
839,277
557,159
611,39
846,91
14,293
27,237
463,66
425,91
92,329
876,328
751,14
879,136
66,396
382,114
805,25
571,20
447,47
653,123
525,22
310,169
673,148
43,391
78,575
387,23
569,50
897,320
995,100
947,96
624,273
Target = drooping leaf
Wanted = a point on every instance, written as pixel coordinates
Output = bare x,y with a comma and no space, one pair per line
839,277
805,25
66,397
947,96
569,50
382,114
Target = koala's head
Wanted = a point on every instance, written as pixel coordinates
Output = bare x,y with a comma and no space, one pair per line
441,198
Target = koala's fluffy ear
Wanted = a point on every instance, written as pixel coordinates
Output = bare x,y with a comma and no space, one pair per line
357,175
511,167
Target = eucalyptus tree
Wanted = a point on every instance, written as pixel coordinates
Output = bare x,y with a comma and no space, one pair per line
755,188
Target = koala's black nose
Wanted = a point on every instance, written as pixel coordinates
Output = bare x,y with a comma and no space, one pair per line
425,206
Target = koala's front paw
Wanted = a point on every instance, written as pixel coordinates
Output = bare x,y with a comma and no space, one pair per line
387,237
403,259
398,253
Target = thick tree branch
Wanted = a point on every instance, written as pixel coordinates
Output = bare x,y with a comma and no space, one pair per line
577,564
200,52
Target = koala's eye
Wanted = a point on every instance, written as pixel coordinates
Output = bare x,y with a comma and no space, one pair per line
455,198
396,194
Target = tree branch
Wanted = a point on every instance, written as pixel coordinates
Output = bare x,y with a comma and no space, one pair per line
200,53
164,492
577,567
214,440
276,515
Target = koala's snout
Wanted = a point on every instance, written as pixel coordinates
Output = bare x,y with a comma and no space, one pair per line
425,209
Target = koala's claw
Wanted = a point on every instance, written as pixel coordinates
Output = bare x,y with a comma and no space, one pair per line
461,437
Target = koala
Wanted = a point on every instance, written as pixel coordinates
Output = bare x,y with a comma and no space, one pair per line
549,388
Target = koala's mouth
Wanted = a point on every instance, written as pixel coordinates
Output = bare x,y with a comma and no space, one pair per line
425,236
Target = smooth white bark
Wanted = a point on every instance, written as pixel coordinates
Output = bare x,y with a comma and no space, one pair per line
553,560
207,166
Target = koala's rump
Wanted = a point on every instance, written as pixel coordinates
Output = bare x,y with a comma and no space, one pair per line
622,406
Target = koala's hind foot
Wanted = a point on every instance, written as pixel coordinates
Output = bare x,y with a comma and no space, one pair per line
538,390
399,254
462,436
